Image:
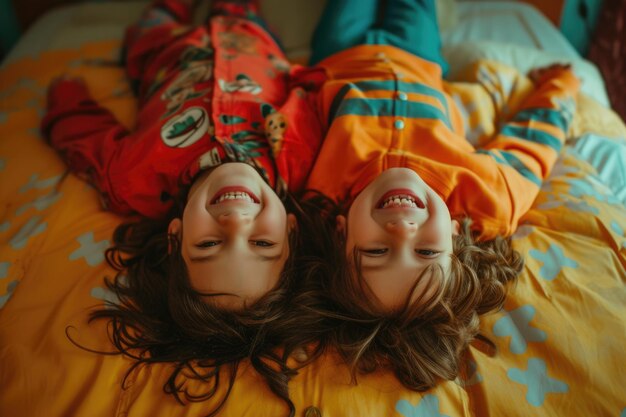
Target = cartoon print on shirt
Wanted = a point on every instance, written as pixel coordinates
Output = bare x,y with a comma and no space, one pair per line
196,67
233,44
242,83
186,128
279,66
275,127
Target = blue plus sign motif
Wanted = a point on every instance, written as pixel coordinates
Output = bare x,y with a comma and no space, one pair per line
92,251
579,206
427,407
517,325
4,269
553,260
584,188
10,289
31,228
538,382
619,231
34,183
105,295
40,203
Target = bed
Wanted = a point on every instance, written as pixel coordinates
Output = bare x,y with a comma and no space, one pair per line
560,335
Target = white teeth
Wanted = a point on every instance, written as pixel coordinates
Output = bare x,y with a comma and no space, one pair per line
237,195
400,201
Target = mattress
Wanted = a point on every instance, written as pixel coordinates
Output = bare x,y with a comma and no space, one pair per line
560,336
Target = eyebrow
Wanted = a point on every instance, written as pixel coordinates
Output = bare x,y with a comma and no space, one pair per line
209,258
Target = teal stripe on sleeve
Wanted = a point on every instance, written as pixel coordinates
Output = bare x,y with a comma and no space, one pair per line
532,135
507,158
556,118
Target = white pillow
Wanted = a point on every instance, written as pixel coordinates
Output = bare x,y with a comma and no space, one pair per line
461,55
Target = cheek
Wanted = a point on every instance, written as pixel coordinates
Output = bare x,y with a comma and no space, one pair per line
275,220
360,224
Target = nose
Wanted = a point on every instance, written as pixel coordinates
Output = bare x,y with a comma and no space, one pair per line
233,221
401,228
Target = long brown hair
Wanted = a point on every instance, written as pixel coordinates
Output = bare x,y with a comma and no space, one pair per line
159,318
422,343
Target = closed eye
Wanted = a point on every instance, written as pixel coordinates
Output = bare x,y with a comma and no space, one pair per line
428,253
374,252
208,244
262,243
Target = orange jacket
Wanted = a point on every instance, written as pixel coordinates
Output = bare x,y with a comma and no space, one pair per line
382,107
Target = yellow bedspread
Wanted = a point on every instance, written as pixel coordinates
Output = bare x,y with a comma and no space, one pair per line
561,336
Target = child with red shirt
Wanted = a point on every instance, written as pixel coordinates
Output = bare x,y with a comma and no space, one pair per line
205,273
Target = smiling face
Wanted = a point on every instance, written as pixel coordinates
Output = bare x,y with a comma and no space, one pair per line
398,226
234,235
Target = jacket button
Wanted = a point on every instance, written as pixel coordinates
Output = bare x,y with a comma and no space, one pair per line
402,96
312,412
398,124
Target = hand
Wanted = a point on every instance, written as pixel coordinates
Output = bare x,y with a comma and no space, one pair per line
540,74
65,88
65,78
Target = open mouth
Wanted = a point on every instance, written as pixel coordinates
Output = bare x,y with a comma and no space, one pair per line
235,194
400,199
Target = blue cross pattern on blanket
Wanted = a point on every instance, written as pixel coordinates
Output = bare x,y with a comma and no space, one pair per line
31,228
34,183
106,295
537,381
10,289
619,231
40,203
580,188
90,250
4,269
554,260
427,407
516,323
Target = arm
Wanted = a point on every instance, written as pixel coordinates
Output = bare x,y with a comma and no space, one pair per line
504,177
532,138
84,133
305,130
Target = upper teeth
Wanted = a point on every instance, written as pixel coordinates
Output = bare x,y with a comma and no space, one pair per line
399,201
237,195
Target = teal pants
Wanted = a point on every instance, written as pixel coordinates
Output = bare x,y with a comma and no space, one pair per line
410,25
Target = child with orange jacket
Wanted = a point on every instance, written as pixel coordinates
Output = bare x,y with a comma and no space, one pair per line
426,214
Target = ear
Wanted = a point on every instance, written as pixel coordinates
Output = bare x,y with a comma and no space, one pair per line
175,228
456,227
340,225
292,223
